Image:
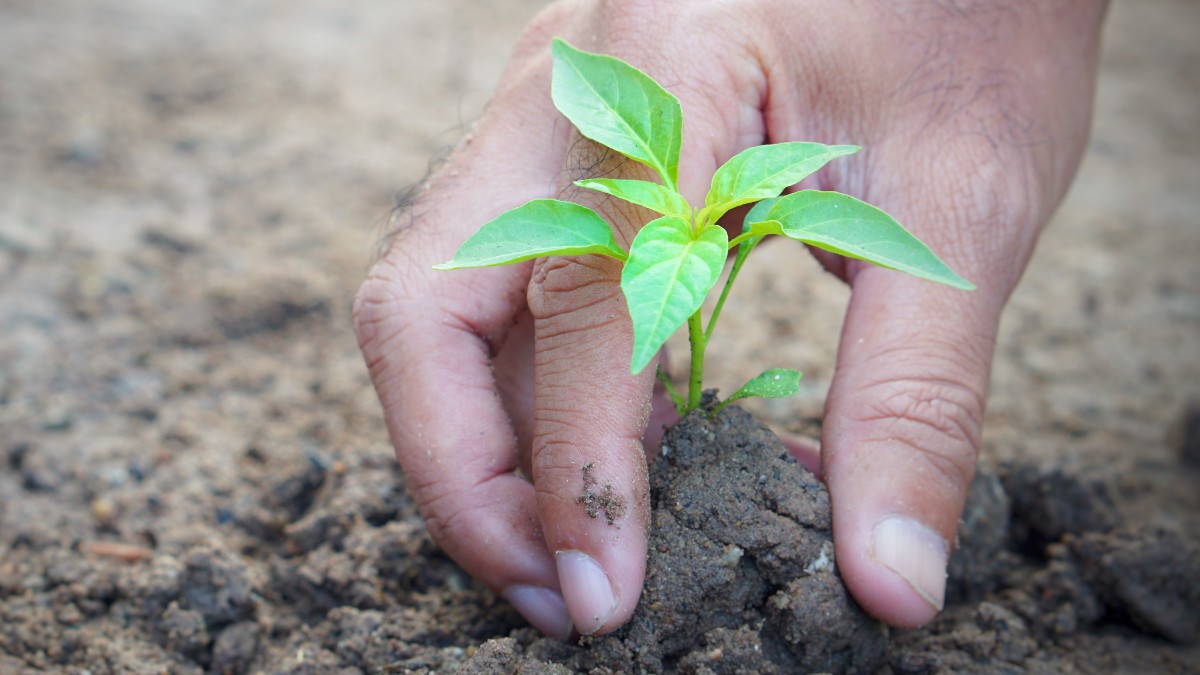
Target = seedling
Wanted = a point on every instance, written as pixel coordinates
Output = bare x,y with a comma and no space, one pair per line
675,260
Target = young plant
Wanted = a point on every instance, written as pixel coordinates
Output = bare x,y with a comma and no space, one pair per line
675,260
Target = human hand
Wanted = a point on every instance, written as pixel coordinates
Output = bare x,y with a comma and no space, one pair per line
972,123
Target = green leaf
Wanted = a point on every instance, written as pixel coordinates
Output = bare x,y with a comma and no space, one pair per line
643,193
755,226
619,106
764,227
758,213
846,226
774,383
765,171
536,229
667,276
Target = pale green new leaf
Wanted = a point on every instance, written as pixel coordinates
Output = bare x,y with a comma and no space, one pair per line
764,227
666,278
617,105
765,171
755,226
542,227
846,226
774,383
758,213
759,223
643,193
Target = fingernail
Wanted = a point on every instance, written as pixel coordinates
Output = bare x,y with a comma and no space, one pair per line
916,553
543,608
587,590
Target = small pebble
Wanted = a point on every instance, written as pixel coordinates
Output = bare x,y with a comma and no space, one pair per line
103,509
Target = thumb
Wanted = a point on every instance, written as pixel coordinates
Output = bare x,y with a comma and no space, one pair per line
904,416
589,467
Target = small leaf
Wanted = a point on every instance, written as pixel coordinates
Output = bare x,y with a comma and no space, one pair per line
846,226
765,171
615,104
540,228
764,227
755,226
667,276
774,383
643,193
758,213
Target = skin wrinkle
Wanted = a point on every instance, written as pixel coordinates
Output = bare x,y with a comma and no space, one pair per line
588,159
402,215
491,341
943,406
442,523
574,329
955,355
467,478
549,411
985,97
996,212
549,364
368,314
384,371
563,304
956,470
563,269
963,361
566,478
997,112
552,367
558,488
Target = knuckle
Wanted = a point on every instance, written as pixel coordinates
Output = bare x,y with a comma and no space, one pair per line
449,512
990,201
986,187
370,309
379,298
444,522
938,418
934,406
562,287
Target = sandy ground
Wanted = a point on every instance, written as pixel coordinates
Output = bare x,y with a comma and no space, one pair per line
191,192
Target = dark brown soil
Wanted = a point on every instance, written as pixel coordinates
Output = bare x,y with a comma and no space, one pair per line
741,565
741,578
194,475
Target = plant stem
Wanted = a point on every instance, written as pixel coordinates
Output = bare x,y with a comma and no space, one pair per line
736,241
696,377
743,252
672,392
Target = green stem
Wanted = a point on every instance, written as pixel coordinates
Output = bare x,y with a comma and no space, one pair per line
720,406
743,252
672,392
696,377
740,238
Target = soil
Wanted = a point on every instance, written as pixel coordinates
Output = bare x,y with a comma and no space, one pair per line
194,475
741,568
742,578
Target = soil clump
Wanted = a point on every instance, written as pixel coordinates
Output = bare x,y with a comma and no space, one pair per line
742,578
